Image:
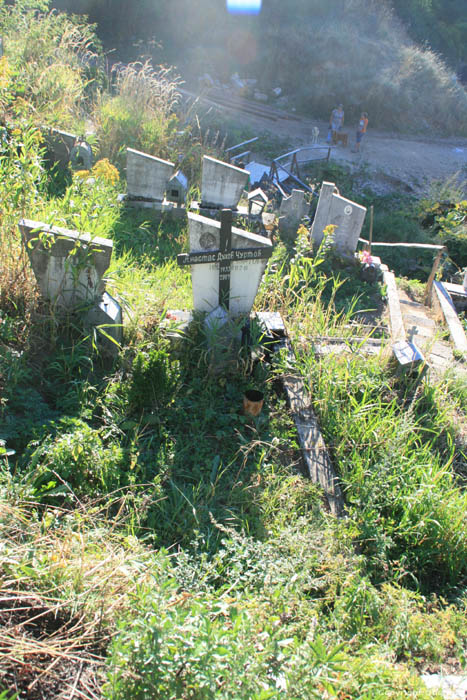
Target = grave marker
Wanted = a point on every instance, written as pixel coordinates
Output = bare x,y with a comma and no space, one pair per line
222,184
347,216
227,264
69,269
147,177
69,266
292,211
59,144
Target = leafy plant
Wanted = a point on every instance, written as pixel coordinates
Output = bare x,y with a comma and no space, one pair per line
73,464
153,379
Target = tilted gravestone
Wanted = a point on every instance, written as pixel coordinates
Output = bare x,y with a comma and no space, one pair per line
292,211
227,264
147,177
345,215
69,266
222,184
69,269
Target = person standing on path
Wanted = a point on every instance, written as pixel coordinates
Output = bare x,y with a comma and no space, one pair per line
361,129
336,120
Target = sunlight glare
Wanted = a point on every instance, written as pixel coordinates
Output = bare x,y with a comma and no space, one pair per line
244,7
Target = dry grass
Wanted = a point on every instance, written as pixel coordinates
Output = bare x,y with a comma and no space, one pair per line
148,89
64,580
18,288
140,113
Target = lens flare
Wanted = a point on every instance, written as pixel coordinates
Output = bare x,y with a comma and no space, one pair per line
244,7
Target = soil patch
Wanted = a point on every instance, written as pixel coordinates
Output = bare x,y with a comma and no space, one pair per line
45,653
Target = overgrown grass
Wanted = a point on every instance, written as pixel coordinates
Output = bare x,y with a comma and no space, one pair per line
48,54
157,542
139,115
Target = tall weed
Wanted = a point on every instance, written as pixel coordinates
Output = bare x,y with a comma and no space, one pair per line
139,115
48,53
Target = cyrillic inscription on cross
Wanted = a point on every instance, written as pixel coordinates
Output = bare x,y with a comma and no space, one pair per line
225,256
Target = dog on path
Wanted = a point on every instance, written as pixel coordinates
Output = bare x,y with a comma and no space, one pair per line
340,137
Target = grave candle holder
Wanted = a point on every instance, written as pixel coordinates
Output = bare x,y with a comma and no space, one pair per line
253,402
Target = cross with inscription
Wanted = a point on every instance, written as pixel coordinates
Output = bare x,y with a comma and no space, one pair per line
225,256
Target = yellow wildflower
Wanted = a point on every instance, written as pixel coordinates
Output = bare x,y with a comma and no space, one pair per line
104,169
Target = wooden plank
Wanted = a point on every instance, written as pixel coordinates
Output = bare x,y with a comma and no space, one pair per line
456,289
315,454
429,284
452,319
350,340
395,314
428,246
240,145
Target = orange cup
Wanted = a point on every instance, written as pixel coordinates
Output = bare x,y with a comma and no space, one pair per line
253,402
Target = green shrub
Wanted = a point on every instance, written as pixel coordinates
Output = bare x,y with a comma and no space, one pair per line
396,470
178,645
74,463
153,379
453,232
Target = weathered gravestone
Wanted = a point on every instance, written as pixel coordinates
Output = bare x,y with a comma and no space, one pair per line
69,269
59,144
227,264
147,178
222,184
345,215
292,211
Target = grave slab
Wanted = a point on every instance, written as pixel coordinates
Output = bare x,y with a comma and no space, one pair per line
147,176
345,215
69,266
395,314
222,184
232,270
407,355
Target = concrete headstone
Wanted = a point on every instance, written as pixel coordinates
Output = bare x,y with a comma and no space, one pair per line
347,216
147,176
292,211
69,266
245,271
222,184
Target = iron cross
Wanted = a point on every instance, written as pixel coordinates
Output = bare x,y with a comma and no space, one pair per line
225,256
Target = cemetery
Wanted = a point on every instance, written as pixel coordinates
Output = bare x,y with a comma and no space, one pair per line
232,431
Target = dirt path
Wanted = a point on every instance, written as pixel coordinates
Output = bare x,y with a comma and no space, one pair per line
413,162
